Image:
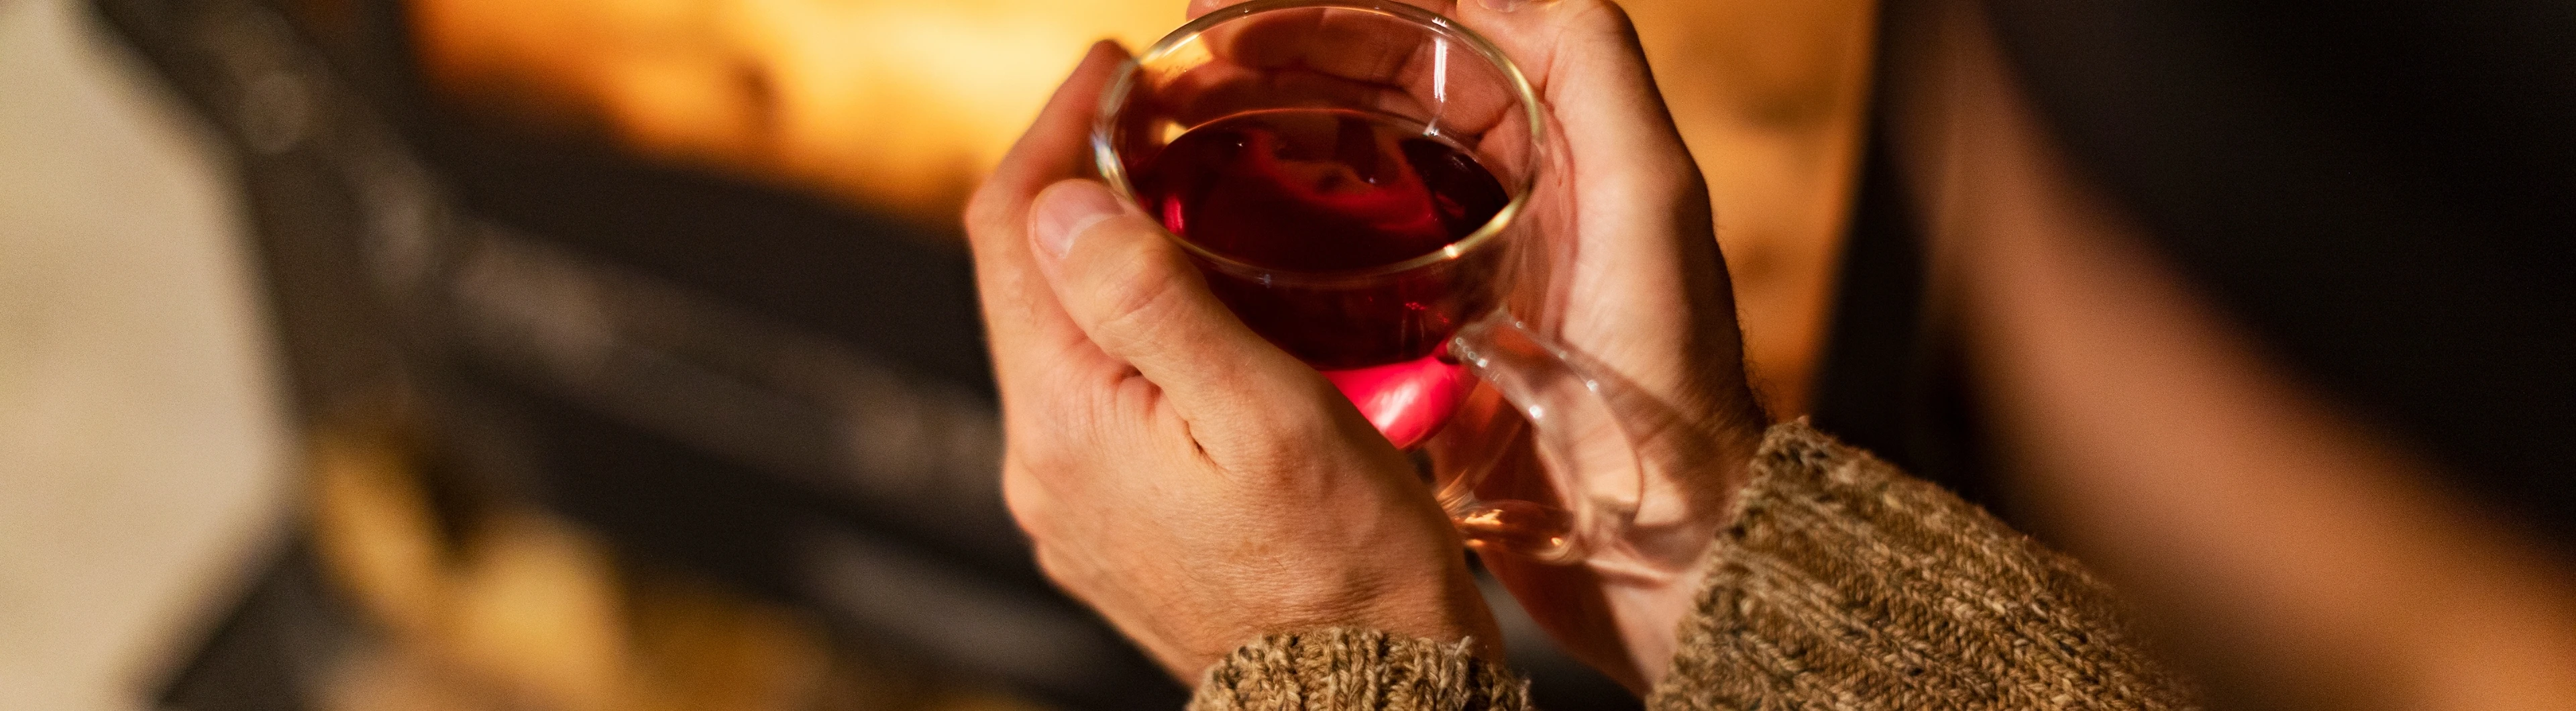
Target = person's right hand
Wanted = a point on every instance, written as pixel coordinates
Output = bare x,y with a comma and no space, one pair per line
1193,483
1646,296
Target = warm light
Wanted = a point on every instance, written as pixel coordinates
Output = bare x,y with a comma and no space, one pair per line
901,105
896,104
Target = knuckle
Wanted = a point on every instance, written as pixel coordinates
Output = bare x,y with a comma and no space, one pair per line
1140,294
1053,565
989,214
1604,19
1026,499
1613,15
1045,558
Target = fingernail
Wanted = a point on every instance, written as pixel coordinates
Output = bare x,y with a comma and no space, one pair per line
1066,210
1504,5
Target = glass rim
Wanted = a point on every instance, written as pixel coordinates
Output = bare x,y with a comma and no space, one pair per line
1105,152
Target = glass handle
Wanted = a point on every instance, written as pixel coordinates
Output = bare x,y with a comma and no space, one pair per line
1586,456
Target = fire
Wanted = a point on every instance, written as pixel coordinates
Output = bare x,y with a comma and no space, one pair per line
900,105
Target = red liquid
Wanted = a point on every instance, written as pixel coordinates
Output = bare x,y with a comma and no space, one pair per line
1295,193
1308,191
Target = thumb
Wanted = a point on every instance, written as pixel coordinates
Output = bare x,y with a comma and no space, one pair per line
1138,297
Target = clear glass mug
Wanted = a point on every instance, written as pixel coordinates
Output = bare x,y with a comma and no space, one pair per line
1408,338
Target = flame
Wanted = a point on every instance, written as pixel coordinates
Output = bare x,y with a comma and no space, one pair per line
901,105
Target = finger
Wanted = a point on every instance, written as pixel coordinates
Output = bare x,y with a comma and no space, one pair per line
1026,498
1202,7
1028,330
1646,264
1584,58
1346,57
1137,297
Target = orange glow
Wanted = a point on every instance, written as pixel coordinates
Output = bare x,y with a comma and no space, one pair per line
902,105
1769,94
897,104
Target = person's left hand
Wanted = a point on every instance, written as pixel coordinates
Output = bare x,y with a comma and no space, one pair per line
1192,482
1645,297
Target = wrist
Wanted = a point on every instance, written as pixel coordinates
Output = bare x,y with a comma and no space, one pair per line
1651,602
1445,609
1651,615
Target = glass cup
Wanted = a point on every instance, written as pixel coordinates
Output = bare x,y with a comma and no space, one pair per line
1352,177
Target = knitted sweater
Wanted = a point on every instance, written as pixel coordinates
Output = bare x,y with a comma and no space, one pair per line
1843,584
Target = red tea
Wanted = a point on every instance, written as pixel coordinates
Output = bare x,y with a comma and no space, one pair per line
1314,202
1311,192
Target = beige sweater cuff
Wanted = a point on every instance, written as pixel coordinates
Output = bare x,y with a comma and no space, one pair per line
1846,584
1344,669
1842,584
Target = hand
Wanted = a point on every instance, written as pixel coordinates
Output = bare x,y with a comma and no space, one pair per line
1645,295
1195,484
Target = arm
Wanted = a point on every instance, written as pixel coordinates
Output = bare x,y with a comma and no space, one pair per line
1843,582
1154,442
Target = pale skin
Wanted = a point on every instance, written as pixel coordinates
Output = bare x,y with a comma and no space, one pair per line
1201,488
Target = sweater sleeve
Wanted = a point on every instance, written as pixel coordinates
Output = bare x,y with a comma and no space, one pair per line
1843,584
1357,670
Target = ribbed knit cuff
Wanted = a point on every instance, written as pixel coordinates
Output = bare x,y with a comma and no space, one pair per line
1845,584
1344,669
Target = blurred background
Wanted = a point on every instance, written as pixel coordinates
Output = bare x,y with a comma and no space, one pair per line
614,354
